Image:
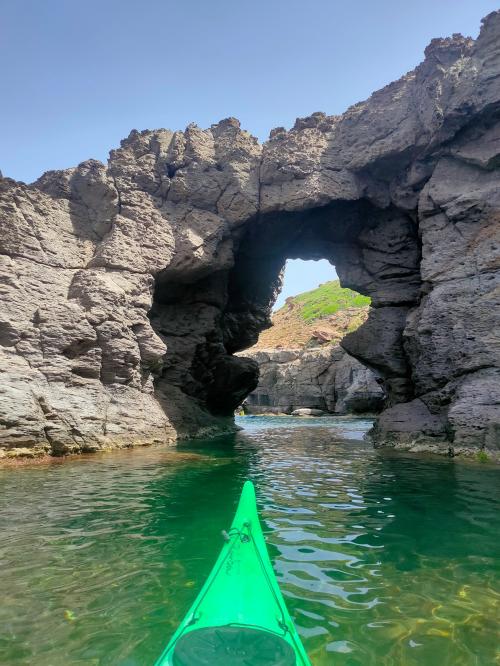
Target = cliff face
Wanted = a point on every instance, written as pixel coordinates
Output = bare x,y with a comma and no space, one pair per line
301,364
325,378
126,289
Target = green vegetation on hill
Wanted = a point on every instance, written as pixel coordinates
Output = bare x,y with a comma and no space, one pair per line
327,299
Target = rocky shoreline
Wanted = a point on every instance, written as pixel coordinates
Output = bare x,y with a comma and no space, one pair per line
324,378
127,289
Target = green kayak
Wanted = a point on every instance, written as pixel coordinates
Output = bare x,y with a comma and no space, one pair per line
239,618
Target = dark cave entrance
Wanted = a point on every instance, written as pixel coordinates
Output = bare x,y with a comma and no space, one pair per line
206,318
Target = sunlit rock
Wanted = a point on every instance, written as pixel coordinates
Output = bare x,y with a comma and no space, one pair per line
126,288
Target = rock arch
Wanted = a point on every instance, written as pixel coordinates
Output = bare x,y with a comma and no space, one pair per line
128,288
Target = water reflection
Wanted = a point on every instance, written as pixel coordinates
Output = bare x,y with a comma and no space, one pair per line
383,559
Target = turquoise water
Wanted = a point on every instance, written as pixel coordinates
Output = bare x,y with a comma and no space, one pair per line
383,559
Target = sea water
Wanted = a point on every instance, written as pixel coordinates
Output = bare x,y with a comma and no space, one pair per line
384,559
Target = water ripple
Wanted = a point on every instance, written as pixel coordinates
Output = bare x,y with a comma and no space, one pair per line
384,560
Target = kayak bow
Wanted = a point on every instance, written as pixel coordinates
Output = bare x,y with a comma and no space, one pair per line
239,618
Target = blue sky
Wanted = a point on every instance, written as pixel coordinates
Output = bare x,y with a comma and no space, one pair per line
303,276
78,76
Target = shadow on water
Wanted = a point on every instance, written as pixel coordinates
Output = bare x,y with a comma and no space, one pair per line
445,508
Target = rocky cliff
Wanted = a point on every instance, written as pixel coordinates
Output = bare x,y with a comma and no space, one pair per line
301,364
324,378
126,289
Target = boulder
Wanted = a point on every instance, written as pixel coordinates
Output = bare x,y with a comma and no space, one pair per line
305,411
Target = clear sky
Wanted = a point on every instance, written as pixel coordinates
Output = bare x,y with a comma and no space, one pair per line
78,75
303,276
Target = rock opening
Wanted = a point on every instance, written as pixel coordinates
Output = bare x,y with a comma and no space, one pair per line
400,193
206,321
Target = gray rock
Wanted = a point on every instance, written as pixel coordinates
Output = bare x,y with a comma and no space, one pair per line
126,289
323,379
305,411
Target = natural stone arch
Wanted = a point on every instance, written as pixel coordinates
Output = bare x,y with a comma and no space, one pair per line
375,251
182,237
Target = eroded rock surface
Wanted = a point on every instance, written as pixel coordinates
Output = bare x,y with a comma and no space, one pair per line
324,378
126,289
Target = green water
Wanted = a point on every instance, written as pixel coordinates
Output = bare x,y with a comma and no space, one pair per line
383,559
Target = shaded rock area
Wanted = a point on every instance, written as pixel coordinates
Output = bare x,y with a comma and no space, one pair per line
126,289
325,379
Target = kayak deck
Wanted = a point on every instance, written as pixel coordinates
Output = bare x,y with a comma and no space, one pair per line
231,646
239,616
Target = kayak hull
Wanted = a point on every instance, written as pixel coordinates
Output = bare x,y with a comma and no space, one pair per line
240,612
